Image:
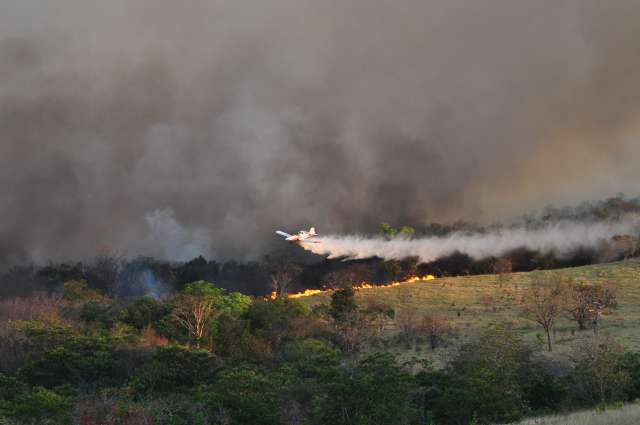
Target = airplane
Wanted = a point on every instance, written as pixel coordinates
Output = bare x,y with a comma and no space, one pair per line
301,237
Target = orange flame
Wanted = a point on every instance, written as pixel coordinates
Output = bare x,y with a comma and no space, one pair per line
363,285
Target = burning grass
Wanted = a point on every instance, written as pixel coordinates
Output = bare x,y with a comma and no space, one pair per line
363,285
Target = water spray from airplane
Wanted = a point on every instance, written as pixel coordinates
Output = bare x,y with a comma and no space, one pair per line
560,237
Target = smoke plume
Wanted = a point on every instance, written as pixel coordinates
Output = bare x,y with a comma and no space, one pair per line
560,238
241,117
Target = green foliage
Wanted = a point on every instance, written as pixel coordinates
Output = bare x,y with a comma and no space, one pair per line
97,313
629,364
343,304
242,395
38,404
175,368
600,373
78,361
9,387
197,307
386,230
374,392
406,232
45,334
490,380
144,312
311,358
269,315
78,291
233,304
389,232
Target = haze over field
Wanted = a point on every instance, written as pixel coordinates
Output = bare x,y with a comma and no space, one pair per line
177,129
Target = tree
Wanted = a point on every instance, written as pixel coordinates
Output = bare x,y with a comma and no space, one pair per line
343,304
581,300
241,395
502,267
375,315
145,311
376,391
436,329
351,275
493,379
387,231
597,375
282,276
76,291
542,303
175,368
198,306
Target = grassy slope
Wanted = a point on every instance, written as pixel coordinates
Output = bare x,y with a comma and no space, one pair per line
627,415
472,302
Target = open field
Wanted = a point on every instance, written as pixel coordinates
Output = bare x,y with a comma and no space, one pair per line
627,415
473,302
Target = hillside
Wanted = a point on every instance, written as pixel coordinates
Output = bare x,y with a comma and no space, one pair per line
472,302
626,415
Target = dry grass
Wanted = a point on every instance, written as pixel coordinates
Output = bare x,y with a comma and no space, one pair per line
474,302
627,415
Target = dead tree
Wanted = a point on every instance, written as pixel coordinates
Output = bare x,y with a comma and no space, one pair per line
543,303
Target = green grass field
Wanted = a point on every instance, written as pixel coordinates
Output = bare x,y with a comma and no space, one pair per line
473,302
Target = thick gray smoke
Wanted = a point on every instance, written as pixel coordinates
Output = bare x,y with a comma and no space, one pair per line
560,238
239,117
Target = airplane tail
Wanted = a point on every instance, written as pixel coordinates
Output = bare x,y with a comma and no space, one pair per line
312,231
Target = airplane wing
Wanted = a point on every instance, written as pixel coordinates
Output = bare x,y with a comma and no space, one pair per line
309,241
281,233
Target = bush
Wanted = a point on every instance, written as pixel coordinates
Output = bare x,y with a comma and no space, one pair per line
142,313
492,380
39,404
78,361
240,396
374,392
175,368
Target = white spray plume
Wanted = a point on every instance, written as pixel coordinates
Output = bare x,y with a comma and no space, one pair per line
560,237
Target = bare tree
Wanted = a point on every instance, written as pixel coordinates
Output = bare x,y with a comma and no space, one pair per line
282,276
352,275
436,329
582,299
408,323
38,306
502,267
194,313
543,303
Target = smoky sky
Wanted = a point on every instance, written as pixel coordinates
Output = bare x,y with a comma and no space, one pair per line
174,128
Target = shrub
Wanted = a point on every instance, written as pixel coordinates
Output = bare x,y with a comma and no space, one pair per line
175,368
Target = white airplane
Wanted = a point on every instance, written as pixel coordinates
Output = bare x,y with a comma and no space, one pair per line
301,237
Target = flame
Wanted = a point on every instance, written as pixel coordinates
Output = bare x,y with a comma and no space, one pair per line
306,293
363,285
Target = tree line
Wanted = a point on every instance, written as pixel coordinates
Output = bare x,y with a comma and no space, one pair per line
205,355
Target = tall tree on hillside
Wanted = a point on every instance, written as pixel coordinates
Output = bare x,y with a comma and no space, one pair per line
543,303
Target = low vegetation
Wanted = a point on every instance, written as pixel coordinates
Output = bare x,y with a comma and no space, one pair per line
455,351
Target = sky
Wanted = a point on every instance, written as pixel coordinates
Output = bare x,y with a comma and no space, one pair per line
176,129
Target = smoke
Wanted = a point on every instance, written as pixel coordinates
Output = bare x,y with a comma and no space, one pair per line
172,240
561,238
246,116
